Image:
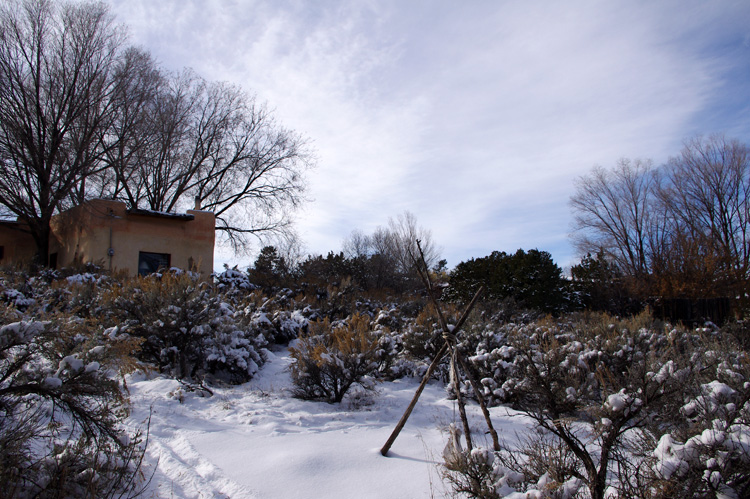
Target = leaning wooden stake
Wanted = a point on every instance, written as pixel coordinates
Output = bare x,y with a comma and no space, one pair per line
407,413
450,339
449,335
459,397
426,377
482,404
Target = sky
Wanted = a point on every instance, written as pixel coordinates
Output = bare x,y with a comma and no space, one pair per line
477,117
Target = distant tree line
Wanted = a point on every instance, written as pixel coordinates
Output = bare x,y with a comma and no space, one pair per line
83,115
677,231
382,261
673,237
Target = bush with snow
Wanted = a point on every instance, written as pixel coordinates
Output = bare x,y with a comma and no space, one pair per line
60,410
189,331
279,318
51,291
17,290
706,452
233,282
330,359
598,391
423,337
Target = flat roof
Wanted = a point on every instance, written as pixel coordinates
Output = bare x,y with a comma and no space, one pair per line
161,214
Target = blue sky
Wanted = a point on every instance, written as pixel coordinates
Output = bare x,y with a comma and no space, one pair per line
477,117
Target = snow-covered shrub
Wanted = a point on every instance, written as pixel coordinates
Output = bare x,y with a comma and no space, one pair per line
408,335
706,452
473,474
330,359
60,406
189,331
276,318
52,291
288,324
233,351
16,290
388,356
485,474
78,294
593,386
233,282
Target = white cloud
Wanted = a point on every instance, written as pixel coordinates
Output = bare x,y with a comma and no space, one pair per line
476,117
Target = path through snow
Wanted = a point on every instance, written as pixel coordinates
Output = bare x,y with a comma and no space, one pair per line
257,441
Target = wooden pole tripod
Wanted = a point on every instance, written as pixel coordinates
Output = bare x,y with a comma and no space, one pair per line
449,335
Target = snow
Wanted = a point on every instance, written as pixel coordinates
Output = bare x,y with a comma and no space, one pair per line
82,278
19,332
53,382
617,401
74,363
257,441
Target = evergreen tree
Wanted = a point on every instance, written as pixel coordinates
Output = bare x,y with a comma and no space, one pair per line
532,278
270,270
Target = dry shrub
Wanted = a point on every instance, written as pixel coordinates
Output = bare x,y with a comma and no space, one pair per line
329,360
340,299
424,337
473,475
542,467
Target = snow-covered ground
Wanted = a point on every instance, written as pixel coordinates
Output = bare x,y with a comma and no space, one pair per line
257,441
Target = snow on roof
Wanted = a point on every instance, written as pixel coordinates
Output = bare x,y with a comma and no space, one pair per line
160,214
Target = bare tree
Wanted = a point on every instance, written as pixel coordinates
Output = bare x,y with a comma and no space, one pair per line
357,244
680,230
130,140
55,98
405,232
397,241
615,212
708,194
390,252
257,180
213,143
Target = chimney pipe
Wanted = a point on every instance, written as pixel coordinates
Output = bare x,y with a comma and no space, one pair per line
197,202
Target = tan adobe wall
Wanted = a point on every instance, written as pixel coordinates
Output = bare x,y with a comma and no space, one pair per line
18,246
87,232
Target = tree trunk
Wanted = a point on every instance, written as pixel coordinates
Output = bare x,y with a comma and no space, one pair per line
41,232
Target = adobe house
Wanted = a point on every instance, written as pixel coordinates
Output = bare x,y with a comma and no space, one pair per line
136,241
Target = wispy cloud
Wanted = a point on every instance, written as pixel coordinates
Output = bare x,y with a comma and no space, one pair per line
476,117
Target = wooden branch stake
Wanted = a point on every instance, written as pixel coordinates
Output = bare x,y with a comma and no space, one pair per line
424,274
407,413
460,399
480,399
427,376
456,359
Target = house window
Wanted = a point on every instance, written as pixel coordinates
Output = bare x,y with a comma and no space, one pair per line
148,263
